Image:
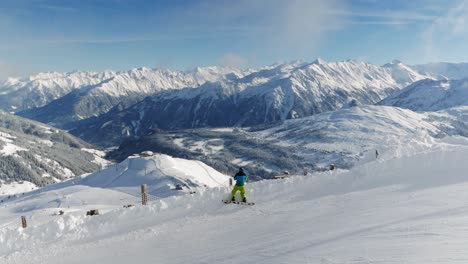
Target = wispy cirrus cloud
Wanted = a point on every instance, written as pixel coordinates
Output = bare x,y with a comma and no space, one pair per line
58,8
377,22
7,70
392,15
278,24
446,30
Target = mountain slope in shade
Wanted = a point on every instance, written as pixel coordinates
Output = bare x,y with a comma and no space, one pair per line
272,94
431,95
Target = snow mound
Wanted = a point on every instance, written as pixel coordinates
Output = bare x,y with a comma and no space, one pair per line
160,172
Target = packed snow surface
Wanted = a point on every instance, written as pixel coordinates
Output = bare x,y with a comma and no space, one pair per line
409,206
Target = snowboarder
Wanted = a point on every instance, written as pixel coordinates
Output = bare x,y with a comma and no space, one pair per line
240,178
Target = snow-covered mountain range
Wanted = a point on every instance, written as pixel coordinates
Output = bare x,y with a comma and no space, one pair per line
271,94
35,154
397,196
82,95
222,96
120,89
18,94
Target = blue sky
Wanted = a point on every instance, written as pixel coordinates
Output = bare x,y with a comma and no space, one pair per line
65,35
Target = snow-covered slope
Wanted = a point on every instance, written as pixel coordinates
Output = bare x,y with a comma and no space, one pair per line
409,207
161,172
122,90
119,184
431,95
32,154
271,94
15,188
345,137
405,74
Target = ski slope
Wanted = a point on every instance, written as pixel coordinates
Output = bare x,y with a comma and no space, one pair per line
408,206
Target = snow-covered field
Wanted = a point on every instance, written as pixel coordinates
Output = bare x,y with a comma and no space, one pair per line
15,188
408,206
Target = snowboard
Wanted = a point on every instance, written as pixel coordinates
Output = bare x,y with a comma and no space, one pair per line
236,202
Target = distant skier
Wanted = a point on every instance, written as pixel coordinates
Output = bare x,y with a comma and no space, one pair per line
240,178
376,154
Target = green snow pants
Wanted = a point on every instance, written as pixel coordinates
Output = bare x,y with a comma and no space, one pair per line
238,188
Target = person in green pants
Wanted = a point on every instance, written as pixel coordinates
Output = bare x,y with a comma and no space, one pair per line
240,178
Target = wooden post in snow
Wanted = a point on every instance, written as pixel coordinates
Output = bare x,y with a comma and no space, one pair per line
23,221
144,195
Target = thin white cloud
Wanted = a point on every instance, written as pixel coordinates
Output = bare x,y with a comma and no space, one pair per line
58,8
395,15
377,22
277,25
7,70
282,24
233,60
449,28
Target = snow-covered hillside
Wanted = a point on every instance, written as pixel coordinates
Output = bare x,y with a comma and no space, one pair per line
407,207
117,185
345,137
33,154
431,95
271,94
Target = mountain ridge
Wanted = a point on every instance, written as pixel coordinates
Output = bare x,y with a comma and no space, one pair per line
276,93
